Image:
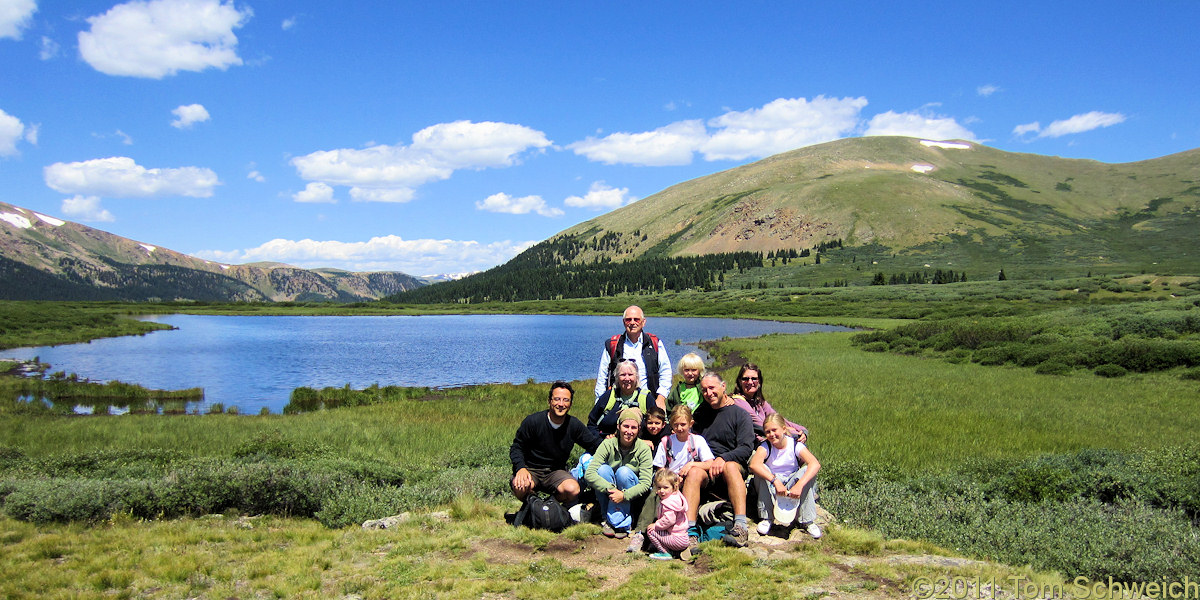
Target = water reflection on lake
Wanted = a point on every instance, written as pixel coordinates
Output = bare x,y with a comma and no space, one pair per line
255,361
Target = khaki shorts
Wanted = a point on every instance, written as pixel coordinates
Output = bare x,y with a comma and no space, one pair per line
548,481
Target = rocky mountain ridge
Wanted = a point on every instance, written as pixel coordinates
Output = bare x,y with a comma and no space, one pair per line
46,258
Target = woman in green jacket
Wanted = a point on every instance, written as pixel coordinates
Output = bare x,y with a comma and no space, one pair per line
620,472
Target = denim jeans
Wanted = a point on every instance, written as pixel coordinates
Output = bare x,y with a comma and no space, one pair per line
617,513
766,491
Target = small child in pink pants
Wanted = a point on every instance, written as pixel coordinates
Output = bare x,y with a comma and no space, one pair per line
669,532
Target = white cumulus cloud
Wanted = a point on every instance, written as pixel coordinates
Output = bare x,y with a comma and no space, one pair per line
602,197
189,114
987,90
386,253
394,195
12,130
48,48
315,192
780,125
385,173
158,38
915,124
121,177
669,145
504,203
1021,130
86,208
15,16
1081,123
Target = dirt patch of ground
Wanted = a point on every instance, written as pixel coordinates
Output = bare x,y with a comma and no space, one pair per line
604,559
606,562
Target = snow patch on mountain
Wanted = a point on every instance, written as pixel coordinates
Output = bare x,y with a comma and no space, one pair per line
49,220
18,221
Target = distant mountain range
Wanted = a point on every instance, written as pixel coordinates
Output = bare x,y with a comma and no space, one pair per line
885,202
45,258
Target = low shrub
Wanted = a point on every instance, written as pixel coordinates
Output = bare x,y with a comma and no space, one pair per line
1128,541
1053,367
354,503
272,444
996,355
1145,355
83,489
1110,370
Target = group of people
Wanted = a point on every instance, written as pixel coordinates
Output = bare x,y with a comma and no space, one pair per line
654,452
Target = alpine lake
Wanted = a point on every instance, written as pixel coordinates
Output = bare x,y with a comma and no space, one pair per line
254,362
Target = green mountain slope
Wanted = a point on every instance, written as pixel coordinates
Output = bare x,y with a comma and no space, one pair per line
872,205
897,192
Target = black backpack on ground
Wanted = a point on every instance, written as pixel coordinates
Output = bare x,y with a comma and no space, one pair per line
542,511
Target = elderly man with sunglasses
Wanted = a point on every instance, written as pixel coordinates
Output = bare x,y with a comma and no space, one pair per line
645,350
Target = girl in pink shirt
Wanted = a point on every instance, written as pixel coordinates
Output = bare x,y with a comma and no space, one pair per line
669,532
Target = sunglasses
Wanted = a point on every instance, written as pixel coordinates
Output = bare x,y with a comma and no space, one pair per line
749,379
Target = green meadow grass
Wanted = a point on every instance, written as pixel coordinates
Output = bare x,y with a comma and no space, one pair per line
914,413
470,554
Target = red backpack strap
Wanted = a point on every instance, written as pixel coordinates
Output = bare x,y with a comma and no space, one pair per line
613,343
653,341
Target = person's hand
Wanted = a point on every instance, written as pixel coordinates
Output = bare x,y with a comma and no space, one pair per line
522,481
649,444
779,489
716,468
616,495
803,437
795,490
683,473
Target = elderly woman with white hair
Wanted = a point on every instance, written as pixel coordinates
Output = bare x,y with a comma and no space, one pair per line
602,420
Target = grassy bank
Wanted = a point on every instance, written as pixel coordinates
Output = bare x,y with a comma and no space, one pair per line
53,323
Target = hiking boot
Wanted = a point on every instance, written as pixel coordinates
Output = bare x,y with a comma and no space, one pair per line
693,548
814,531
737,536
621,534
607,530
635,542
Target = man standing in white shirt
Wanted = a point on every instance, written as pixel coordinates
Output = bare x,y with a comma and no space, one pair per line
645,349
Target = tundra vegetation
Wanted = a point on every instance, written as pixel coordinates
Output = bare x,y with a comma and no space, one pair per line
1049,424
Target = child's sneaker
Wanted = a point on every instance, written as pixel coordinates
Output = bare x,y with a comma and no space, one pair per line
814,531
635,542
764,527
661,556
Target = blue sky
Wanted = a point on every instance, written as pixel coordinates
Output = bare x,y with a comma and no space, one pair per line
444,137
